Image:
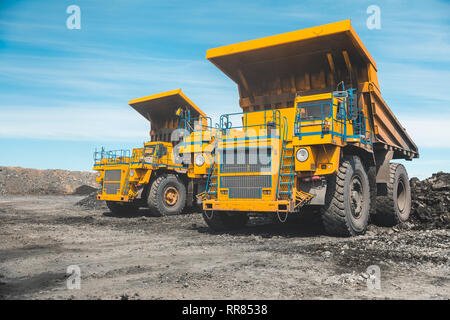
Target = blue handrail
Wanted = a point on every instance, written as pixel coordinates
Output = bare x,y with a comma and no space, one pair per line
111,155
225,124
356,117
323,117
285,130
187,123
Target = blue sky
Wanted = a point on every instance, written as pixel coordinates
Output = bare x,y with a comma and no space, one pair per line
65,92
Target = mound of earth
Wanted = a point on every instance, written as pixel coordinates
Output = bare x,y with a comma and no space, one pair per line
23,181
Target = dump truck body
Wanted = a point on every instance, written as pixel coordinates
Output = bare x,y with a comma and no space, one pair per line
129,180
332,138
270,72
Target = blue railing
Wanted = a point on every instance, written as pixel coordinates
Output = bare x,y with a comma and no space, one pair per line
282,157
112,155
189,123
337,115
323,117
360,130
272,117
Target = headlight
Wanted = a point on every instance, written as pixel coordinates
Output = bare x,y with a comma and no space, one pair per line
302,155
131,173
199,160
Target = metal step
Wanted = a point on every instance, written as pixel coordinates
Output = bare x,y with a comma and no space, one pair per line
302,198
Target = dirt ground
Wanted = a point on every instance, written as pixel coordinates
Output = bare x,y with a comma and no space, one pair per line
146,257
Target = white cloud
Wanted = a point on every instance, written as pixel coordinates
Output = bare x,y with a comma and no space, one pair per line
105,123
428,131
408,82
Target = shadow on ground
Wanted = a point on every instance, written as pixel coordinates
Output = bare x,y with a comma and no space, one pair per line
12,288
308,225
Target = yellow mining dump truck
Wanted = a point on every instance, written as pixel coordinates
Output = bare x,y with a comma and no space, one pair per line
314,133
160,175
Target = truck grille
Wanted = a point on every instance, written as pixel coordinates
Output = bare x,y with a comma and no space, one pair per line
111,188
113,175
241,160
245,187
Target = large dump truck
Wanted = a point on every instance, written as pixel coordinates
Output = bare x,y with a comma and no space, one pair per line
322,135
169,171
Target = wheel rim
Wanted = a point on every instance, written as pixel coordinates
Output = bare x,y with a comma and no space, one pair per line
171,196
356,197
401,196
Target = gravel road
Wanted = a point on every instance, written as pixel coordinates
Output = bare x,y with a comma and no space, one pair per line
146,257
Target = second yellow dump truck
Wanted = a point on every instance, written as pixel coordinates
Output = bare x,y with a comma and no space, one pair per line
167,172
314,133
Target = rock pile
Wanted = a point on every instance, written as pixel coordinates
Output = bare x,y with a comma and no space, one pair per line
431,201
91,202
17,180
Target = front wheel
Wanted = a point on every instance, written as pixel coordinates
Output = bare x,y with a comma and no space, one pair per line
167,196
347,202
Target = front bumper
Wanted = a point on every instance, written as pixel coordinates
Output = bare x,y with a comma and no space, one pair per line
113,197
247,205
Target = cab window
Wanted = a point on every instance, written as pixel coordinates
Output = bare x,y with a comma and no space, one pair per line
312,110
149,151
162,150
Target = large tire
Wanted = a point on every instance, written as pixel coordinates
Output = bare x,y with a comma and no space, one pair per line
122,208
347,202
224,221
395,206
167,196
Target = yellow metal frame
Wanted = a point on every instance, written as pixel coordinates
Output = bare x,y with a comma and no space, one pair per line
293,36
167,94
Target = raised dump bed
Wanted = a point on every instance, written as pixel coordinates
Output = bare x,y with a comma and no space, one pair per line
160,109
270,72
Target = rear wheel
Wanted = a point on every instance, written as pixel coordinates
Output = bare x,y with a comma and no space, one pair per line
121,208
223,220
167,196
395,207
347,201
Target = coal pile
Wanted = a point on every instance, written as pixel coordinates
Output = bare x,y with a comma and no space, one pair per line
84,190
91,202
431,201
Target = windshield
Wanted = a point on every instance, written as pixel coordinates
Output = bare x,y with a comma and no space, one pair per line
148,151
312,110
